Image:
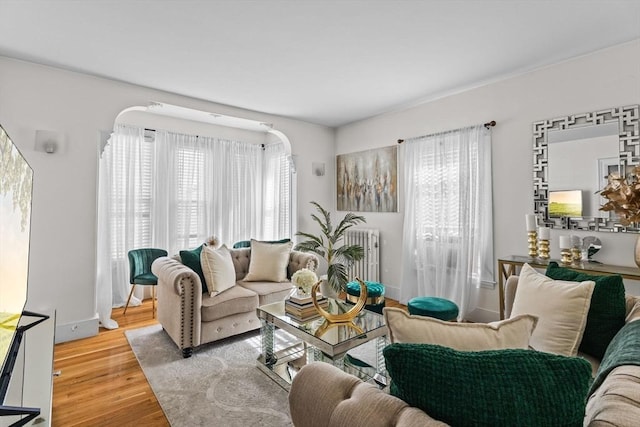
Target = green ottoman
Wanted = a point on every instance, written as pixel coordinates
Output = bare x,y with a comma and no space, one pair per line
439,308
375,295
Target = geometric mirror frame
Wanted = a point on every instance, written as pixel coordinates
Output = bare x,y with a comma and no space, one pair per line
628,122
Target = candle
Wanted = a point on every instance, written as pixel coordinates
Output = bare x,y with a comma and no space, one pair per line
532,222
544,233
565,242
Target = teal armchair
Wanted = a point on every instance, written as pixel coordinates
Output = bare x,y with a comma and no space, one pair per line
140,261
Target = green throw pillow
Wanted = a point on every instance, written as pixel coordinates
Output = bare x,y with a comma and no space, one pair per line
606,313
490,388
191,258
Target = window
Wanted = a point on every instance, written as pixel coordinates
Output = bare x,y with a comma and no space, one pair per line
448,216
174,191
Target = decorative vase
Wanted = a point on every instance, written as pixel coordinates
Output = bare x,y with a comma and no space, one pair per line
303,292
637,251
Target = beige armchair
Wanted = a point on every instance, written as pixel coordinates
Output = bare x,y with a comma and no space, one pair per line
191,317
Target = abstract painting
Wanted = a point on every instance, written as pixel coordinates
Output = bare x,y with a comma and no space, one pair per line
368,180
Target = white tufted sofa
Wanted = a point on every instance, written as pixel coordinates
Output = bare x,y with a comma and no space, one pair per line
192,318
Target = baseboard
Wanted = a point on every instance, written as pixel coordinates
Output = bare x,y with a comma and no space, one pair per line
393,293
481,315
77,330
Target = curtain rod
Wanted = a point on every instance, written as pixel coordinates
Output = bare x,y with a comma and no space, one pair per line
488,125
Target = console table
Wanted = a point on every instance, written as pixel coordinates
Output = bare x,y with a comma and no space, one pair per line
510,265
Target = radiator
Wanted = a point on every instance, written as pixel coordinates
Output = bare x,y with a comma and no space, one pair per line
368,268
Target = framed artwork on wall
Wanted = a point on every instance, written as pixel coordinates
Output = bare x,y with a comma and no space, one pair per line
367,181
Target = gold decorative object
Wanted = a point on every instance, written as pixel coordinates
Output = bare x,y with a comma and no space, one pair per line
565,256
543,249
326,325
370,300
576,254
342,317
532,240
623,195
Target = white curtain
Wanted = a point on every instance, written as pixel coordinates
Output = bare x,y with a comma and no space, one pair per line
173,191
277,193
123,206
209,187
448,219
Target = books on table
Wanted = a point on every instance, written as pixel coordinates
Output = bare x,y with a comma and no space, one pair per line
302,308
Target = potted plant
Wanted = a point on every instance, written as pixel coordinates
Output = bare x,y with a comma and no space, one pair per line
328,245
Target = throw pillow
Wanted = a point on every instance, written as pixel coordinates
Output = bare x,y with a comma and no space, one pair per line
268,261
490,388
560,306
509,333
191,258
217,266
607,310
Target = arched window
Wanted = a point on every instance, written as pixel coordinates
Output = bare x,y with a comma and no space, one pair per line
172,190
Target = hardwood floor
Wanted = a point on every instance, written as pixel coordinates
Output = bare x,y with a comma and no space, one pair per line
101,383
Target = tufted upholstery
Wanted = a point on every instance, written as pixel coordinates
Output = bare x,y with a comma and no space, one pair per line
192,318
324,396
297,260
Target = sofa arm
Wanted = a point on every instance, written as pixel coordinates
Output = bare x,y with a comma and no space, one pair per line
299,260
323,396
179,296
632,304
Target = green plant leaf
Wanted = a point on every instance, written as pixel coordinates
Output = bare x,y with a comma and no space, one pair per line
349,254
326,245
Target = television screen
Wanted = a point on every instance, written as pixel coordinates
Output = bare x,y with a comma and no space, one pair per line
16,178
565,203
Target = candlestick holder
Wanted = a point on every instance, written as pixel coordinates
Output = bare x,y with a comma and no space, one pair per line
532,240
543,249
565,256
576,254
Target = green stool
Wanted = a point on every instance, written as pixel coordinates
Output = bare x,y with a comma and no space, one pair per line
438,308
375,295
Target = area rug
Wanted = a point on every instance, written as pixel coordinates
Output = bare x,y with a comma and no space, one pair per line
220,385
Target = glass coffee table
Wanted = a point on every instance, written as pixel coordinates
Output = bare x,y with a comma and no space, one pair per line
288,344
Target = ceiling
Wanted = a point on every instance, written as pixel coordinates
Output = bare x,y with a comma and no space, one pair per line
326,62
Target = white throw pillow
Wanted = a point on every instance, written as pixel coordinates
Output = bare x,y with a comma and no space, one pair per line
268,262
510,333
218,270
561,308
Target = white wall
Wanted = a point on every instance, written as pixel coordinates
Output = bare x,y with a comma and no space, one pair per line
604,79
63,236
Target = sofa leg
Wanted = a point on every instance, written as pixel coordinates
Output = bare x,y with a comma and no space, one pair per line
187,352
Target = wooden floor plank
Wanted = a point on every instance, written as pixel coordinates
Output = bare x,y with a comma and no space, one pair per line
101,382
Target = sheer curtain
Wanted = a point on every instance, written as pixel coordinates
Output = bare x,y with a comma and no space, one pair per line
173,191
124,198
448,220
276,190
